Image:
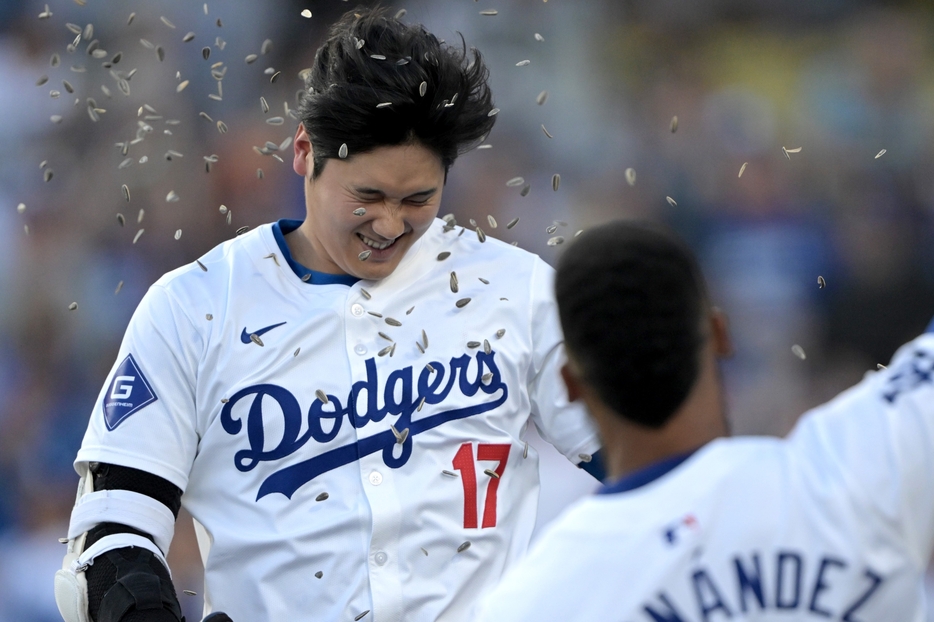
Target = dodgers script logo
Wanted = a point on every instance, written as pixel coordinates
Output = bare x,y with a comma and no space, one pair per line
400,382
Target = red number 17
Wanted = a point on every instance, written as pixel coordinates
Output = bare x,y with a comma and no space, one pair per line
463,462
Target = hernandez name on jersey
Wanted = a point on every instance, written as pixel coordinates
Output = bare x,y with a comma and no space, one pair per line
836,522
343,447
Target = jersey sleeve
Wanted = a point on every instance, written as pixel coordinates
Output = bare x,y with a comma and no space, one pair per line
145,416
878,438
564,424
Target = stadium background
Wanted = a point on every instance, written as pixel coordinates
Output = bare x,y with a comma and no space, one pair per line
842,79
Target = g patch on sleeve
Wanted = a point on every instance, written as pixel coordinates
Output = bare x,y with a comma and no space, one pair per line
129,391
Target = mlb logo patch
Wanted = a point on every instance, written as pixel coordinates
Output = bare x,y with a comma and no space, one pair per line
128,392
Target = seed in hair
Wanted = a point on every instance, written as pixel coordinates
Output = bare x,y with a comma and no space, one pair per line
493,112
322,497
555,241
798,351
491,473
500,333
393,321
542,97
880,154
674,124
821,283
306,13
422,89
342,154
523,63
364,255
359,43
463,547
384,104
742,168
555,182
73,306
671,202
137,236
546,131
460,304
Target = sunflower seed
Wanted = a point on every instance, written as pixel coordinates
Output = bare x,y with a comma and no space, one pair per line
306,277
538,37
359,43
319,574
201,265
205,116
425,338
273,257
364,255
551,229
821,283
430,369
525,450
88,32
160,53
260,174
555,241
189,592
124,86
365,293
221,127
515,181
460,304
542,98
322,497
671,202
342,154
386,337
384,104
795,150
512,223
68,86
473,344
491,473
500,333
400,436
880,366
555,182
264,105
306,13
255,339
178,234
171,197
47,175
242,229
384,351
375,314
463,547
487,348
208,317
485,378
360,616
393,321
546,131
485,147
448,473
493,112
206,53
484,281
674,124
130,19
42,80
742,168
523,63
443,255
73,306
117,57
266,47
297,350
798,351
125,163
140,216
188,37
181,86
121,219
219,23
454,282
880,154
137,236
167,22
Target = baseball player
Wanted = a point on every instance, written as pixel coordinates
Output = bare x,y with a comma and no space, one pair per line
836,522
339,402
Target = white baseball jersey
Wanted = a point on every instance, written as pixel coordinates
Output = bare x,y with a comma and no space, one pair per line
346,448
834,523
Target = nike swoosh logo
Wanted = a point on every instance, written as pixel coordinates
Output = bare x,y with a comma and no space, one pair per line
245,336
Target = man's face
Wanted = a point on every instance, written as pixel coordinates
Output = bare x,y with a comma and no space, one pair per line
399,188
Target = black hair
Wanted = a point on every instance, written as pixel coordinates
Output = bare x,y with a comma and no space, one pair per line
370,59
631,300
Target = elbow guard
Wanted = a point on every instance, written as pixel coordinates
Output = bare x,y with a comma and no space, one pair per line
126,533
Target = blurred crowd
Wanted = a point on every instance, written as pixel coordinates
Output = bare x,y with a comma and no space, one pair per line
803,147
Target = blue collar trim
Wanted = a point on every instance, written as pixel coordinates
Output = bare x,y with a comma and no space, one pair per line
279,231
645,475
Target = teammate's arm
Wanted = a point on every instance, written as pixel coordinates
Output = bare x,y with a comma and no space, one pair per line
120,530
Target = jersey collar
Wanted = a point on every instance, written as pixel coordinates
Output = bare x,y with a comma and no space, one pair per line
646,475
279,230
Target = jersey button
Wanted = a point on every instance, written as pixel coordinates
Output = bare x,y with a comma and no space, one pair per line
380,558
357,309
376,478
360,349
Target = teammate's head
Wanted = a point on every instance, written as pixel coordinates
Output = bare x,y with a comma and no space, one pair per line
632,303
371,59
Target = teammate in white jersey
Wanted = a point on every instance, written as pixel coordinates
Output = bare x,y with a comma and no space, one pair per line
340,403
836,522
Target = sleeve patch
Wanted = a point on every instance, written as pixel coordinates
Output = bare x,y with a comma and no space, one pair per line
129,391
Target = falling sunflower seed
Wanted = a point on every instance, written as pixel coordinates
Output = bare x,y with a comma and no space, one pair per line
73,306
551,229
674,124
242,229
481,235
221,127
492,221
160,53
555,181
493,112
671,202
201,265
525,450
206,53
512,223
393,321
463,547
264,105
364,255
798,351
523,63
742,168
491,473
189,592
322,497
139,217
188,37
137,236
631,176
487,348
880,154
515,181
319,574
165,21
384,351
342,154
454,282
546,132
500,333
473,344
171,197
275,77
251,58
821,283
463,302
255,339
178,234
360,616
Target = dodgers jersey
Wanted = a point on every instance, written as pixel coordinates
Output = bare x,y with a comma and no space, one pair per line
834,523
269,401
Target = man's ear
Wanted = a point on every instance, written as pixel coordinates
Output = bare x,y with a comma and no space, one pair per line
303,161
720,333
572,382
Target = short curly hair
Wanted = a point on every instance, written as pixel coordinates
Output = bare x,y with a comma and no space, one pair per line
377,81
631,299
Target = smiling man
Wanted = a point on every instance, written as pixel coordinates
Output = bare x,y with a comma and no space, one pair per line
339,402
